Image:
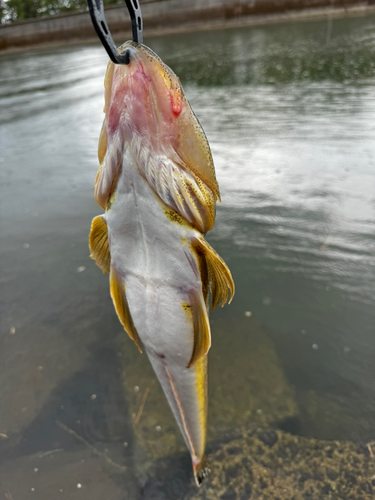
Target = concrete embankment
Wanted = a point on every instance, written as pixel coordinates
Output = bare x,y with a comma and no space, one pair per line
166,16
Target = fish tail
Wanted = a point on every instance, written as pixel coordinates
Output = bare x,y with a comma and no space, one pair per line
186,391
201,469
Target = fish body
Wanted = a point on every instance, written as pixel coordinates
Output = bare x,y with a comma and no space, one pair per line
157,185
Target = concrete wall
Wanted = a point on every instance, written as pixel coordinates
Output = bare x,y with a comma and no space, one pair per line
163,15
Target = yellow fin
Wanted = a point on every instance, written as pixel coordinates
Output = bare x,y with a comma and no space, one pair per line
200,369
179,188
110,152
203,271
102,146
117,290
108,79
202,333
219,277
194,150
98,244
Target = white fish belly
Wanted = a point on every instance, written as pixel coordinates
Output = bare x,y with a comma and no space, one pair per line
153,257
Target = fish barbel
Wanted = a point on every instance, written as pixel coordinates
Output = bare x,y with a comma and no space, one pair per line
157,186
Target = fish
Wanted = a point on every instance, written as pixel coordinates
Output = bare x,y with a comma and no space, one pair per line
157,187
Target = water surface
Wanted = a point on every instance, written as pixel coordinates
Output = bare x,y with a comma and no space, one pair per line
289,111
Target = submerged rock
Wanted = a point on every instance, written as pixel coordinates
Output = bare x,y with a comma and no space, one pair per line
247,385
271,464
268,464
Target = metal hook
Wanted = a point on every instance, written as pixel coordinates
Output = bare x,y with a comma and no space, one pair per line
136,17
98,20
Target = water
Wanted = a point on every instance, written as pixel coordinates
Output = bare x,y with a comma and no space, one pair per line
289,111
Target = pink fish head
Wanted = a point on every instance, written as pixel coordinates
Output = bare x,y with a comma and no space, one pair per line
146,98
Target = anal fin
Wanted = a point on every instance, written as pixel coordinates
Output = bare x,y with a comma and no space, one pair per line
98,244
220,280
202,332
118,294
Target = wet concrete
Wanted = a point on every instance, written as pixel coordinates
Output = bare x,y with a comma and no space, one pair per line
173,16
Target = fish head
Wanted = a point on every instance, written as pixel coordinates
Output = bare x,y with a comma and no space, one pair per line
145,98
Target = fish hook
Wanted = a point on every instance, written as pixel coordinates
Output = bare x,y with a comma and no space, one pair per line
98,20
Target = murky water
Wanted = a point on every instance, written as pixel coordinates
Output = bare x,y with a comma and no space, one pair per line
289,111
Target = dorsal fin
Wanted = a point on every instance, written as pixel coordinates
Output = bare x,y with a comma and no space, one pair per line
220,280
202,332
117,290
98,243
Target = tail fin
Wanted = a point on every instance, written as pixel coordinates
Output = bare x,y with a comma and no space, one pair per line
201,470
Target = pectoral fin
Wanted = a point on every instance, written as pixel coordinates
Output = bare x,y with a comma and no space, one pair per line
102,147
179,188
202,332
117,290
98,244
194,150
110,154
219,277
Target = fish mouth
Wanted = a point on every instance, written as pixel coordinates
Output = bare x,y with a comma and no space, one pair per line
142,53
143,99
147,67
145,103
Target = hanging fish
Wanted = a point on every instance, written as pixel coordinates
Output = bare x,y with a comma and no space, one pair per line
157,186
